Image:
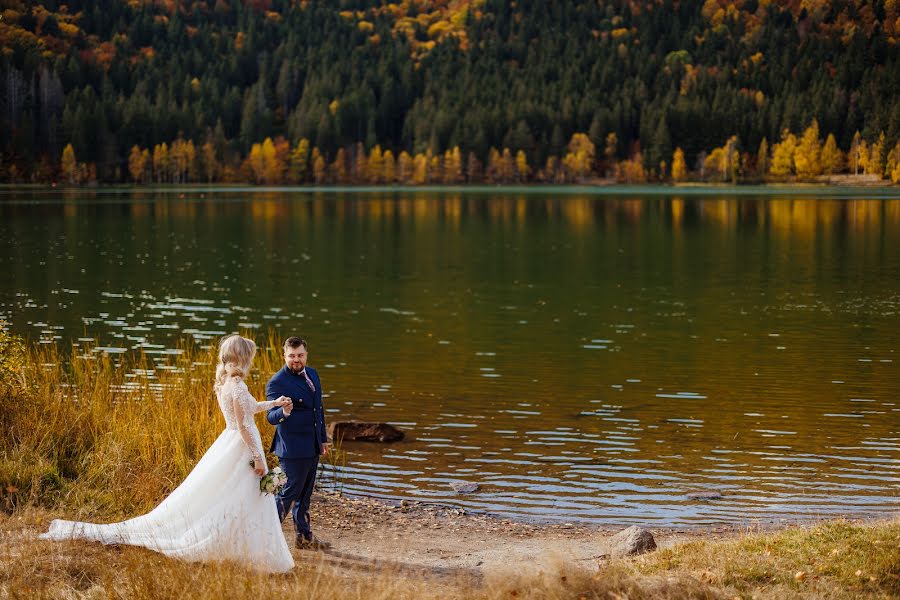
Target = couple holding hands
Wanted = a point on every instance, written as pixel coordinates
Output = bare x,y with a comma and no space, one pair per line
218,512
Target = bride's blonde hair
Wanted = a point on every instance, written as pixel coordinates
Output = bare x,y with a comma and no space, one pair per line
235,359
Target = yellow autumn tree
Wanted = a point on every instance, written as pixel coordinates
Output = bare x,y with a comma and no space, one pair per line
435,167
493,166
507,165
862,157
679,167
209,162
522,168
420,169
551,169
875,164
136,164
375,170
405,167
807,160
714,165
182,157
339,166
265,164
853,154
69,164
320,171
453,172
145,156
161,162
579,160
893,164
632,170
298,162
783,155
390,167
832,158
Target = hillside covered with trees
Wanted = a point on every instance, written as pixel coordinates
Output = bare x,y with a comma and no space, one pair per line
296,91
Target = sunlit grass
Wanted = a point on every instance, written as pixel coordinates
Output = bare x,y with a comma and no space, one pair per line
81,431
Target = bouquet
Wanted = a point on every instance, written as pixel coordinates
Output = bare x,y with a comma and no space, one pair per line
273,481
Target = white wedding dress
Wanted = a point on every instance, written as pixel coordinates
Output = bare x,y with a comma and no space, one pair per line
218,512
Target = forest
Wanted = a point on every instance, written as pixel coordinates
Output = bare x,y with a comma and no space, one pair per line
448,91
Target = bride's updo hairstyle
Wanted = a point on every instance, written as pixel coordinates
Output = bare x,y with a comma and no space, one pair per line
235,359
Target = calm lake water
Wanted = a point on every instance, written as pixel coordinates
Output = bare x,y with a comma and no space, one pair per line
581,356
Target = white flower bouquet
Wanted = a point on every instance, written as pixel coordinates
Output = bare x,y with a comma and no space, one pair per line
273,481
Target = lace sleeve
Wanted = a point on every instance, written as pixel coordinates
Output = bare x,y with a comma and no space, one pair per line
245,406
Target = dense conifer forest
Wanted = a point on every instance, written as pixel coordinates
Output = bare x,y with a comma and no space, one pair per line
448,91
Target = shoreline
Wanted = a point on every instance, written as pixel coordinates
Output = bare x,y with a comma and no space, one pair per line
882,190
443,538
421,550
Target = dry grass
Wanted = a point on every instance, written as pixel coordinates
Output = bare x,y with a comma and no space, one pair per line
82,433
758,566
81,438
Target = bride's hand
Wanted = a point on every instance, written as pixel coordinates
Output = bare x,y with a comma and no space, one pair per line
259,467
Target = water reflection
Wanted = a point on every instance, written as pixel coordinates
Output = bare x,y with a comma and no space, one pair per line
593,357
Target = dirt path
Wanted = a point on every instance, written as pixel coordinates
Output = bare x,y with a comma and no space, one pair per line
443,539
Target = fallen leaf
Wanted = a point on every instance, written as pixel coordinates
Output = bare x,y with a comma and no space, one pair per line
799,575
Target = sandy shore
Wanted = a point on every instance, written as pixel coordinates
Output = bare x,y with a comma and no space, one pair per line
445,539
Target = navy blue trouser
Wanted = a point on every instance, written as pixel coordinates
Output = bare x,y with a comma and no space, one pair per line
301,476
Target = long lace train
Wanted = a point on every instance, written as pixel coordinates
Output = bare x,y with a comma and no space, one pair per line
217,513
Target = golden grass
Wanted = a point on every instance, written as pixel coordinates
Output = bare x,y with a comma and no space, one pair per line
755,566
83,433
82,439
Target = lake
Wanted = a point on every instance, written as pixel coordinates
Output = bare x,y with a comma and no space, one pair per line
582,355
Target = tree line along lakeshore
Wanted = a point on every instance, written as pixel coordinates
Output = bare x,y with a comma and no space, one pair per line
462,91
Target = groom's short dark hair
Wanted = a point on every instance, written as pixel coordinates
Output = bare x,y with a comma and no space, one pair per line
295,342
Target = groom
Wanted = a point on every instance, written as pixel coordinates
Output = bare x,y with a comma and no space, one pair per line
299,436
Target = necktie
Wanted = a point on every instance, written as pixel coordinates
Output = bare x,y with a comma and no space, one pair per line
309,381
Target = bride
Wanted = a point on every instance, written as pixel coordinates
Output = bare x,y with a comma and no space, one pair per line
218,512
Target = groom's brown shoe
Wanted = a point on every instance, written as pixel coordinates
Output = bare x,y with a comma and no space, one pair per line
311,543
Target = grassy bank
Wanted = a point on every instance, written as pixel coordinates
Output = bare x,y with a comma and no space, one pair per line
836,560
84,437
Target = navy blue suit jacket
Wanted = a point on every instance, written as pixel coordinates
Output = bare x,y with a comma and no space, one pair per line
302,433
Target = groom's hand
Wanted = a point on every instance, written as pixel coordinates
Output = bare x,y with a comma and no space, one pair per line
287,405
